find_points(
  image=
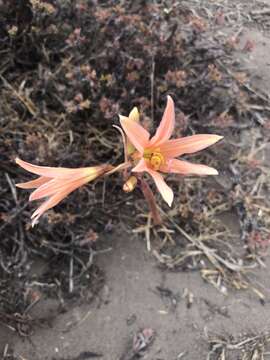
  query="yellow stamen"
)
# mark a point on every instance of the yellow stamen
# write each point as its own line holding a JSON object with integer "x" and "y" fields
{"x": 154, "y": 158}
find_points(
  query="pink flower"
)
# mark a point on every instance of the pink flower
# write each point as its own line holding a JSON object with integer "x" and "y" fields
{"x": 158, "y": 154}
{"x": 56, "y": 183}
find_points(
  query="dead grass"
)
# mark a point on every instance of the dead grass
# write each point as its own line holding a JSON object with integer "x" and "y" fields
{"x": 244, "y": 347}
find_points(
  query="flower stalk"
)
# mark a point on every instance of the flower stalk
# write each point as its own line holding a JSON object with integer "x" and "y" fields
{"x": 151, "y": 201}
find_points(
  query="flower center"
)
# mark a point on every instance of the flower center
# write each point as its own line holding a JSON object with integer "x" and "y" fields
{"x": 154, "y": 158}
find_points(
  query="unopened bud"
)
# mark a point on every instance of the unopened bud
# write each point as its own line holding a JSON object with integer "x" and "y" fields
{"x": 130, "y": 184}
{"x": 133, "y": 116}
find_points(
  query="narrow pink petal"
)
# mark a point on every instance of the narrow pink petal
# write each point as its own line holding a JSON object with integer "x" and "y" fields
{"x": 140, "y": 167}
{"x": 54, "y": 200}
{"x": 166, "y": 126}
{"x": 56, "y": 185}
{"x": 186, "y": 168}
{"x": 34, "y": 183}
{"x": 48, "y": 204}
{"x": 188, "y": 145}
{"x": 59, "y": 184}
{"x": 49, "y": 171}
{"x": 163, "y": 188}
{"x": 136, "y": 134}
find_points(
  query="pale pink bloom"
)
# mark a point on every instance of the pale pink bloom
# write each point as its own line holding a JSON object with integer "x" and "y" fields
{"x": 158, "y": 154}
{"x": 55, "y": 183}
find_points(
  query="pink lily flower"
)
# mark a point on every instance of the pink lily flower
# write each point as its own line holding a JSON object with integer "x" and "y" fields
{"x": 158, "y": 154}
{"x": 56, "y": 183}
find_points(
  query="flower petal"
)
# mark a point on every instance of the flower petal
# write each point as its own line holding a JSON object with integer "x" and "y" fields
{"x": 140, "y": 167}
{"x": 48, "y": 204}
{"x": 188, "y": 145}
{"x": 166, "y": 126}
{"x": 163, "y": 188}
{"x": 186, "y": 168}
{"x": 56, "y": 185}
{"x": 60, "y": 184}
{"x": 34, "y": 183}
{"x": 50, "y": 172}
{"x": 137, "y": 135}
{"x": 55, "y": 199}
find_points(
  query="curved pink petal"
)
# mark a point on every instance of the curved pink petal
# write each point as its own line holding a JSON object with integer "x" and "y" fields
{"x": 59, "y": 184}
{"x": 140, "y": 167}
{"x": 48, "y": 204}
{"x": 34, "y": 183}
{"x": 56, "y": 185}
{"x": 186, "y": 168}
{"x": 165, "y": 191}
{"x": 53, "y": 201}
{"x": 136, "y": 134}
{"x": 50, "y": 172}
{"x": 188, "y": 145}
{"x": 166, "y": 126}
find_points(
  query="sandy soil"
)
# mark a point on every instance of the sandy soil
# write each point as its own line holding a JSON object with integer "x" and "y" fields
{"x": 131, "y": 301}
{"x": 138, "y": 294}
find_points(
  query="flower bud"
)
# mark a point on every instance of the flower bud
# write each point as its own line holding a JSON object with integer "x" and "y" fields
{"x": 133, "y": 116}
{"x": 130, "y": 184}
